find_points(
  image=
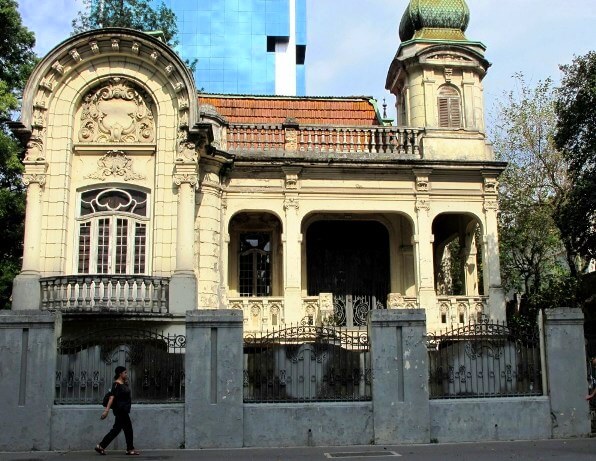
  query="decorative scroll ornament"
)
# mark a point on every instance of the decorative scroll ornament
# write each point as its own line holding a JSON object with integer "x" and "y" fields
{"x": 115, "y": 163}
{"x": 35, "y": 151}
{"x": 187, "y": 152}
{"x": 116, "y": 112}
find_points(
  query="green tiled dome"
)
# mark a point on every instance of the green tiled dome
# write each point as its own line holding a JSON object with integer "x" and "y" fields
{"x": 438, "y": 19}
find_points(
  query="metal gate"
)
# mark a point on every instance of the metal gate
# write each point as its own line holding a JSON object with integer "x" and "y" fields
{"x": 351, "y": 260}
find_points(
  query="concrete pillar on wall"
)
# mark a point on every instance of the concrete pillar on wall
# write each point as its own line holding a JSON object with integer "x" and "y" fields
{"x": 28, "y": 362}
{"x": 214, "y": 376}
{"x": 26, "y": 291}
{"x": 400, "y": 376}
{"x": 209, "y": 239}
{"x": 183, "y": 284}
{"x": 566, "y": 371}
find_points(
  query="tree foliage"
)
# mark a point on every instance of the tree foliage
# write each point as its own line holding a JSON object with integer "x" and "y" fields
{"x": 16, "y": 62}
{"x": 135, "y": 14}
{"x": 534, "y": 260}
{"x": 576, "y": 138}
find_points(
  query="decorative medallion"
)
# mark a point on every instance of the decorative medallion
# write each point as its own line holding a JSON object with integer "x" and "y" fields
{"x": 116, "y": 113}
{"x": 115, "y": 163}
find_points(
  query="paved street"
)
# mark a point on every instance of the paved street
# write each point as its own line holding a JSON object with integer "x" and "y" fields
{"x": 560, "y": 450}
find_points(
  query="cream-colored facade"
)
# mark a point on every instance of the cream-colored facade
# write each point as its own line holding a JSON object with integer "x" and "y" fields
{"x": 143, "y": 202}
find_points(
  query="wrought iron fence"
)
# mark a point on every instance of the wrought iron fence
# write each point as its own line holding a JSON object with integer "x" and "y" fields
{"x": 484, "y": 360}
{"x": 155, "y": 364}
{"x": 307, "y": 363}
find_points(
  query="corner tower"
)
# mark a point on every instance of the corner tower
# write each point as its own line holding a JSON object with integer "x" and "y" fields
{"x": 436, "y": 77}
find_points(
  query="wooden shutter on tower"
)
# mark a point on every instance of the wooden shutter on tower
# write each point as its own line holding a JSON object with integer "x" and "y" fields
{"x": 449, "y": 106}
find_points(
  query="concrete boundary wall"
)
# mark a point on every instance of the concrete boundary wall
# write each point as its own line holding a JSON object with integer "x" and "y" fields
{"x": 214, "y": 414}
{"x": 476, "y": 420}
{"x": 78, "y": 427}
{"x": 308, "y": 424}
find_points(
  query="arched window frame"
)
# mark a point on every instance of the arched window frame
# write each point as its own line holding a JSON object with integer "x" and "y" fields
{"x": 449, "y": 107}
{"x": 113, "y": 231}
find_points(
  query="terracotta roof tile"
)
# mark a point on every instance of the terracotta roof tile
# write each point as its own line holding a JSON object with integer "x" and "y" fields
{"x": 355, "y": 110}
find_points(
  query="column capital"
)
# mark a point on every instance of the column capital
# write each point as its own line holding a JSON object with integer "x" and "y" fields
{"x": 35, "y": 173}
{"x": 186, "y": 173}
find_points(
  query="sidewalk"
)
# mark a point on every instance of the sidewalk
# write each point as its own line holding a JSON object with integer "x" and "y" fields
{"x": 560, "y": 450}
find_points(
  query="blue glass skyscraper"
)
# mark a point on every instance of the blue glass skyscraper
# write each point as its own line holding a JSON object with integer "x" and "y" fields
{"x": 244, "y": 46}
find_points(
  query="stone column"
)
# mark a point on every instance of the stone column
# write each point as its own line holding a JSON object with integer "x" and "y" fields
{"x": 566, "y": 372}
{"x": 470, "y": 265}
{"x": 492, "y": 264}
{"x": 292, "y": 240}
{"x": 400, "y": 376}
{"x": 209, "y": 239}
{"x": 26, "y": 291}
{"x": 214, "y": 379}
{"x": 423, "y": 243}
{"x": 28, "y": 364}
{"x": 183, "y": 284}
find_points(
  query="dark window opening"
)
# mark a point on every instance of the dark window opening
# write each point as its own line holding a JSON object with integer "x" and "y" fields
{"x": 300, "y": 54}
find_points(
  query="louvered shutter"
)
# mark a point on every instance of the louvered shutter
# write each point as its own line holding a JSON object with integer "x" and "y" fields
{"x": 449, "y": 106}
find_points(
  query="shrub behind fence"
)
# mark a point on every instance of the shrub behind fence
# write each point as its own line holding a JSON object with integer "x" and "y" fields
{"x": 484, "y": 360}
{"x": 307, "y": 363}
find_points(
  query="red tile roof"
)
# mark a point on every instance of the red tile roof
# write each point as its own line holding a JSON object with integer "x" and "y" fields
{"x": 356, "y": 110}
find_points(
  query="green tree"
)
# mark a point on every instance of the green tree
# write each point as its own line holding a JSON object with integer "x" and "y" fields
{"x": 576, "y": 138}
{"x": 135, "y": 14}
{"x": 534, "y": 260}
{"x": 16, "y": 62}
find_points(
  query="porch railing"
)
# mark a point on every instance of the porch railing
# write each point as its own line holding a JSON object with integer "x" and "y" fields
{"x": 97, "y": 293}
{"x": 307, "y": 363}
{"x": 484, "y": 359}
{"x": 457, "y": 311}
{"x": 399, "y": 141}
{"x": 259, "y": 313}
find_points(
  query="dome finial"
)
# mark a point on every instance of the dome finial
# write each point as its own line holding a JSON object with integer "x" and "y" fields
{"x": 435, "y": 19}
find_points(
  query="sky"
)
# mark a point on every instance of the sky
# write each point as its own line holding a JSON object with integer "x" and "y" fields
{"x": 352, "y": 42}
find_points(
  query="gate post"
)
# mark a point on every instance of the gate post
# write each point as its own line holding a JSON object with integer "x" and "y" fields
{"x": 214, "y": 409}
{"x": 566, "y": 371}
{"x": 400, "y": 376}
{"x": 28, "y": 370}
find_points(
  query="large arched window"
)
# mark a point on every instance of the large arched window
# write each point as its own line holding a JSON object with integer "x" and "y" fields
{"x": 449, "y": 104}
{"x": 112, "y": 236}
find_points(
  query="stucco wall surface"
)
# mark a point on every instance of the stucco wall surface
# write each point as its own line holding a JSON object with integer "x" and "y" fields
{"x": 474, "y": 420}
{"x": 308, "y": 424}
{"x": 78, "y": 427}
